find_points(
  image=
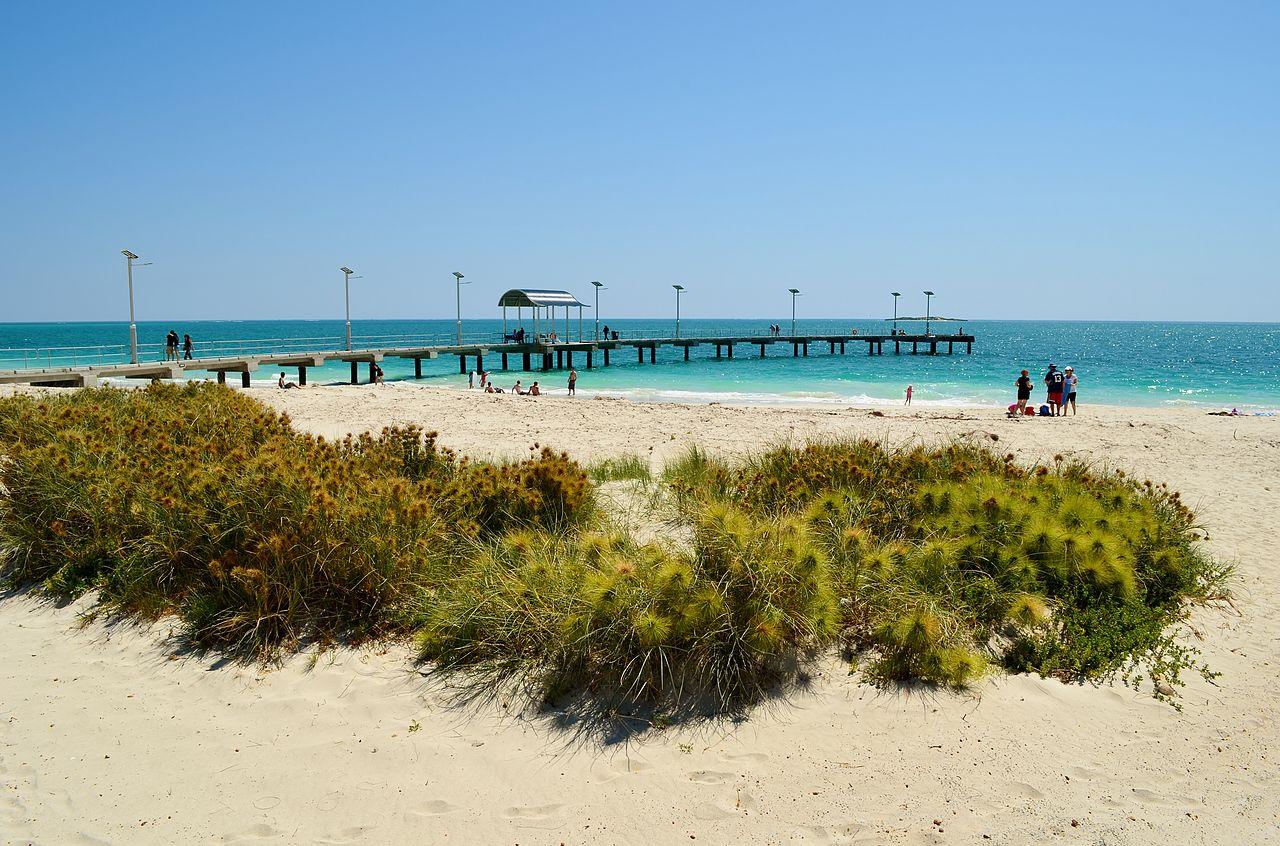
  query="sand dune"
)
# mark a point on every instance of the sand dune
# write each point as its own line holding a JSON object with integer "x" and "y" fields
{"x": 108, "y": 736}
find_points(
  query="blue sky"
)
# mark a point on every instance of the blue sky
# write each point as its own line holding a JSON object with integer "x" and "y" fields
{"x": 1021, "y": 159}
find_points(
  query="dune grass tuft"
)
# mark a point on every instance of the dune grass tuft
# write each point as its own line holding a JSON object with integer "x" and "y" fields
{"x": 623, "y": 468}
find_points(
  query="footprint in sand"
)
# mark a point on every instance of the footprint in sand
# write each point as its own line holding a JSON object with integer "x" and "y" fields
{"x": 1023, "y": 789}
{"x": 253, "y": 834}
{"x": 747, "y": 757}
{"x": 341, "y": 837}
{"x": 535, "y": 816}
{"x": 839, "y": 834}
{"x": 430, "y": 808}
{"x": 617, "y": 769}
{"x": 710, "y": 776}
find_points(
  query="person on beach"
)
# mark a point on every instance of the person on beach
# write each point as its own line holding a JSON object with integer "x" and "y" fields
{"x": 188, "y": 346}
{"x": 490, "y": 389}
{"x": 518, "y": 388}
{"x": 1053, "y": 381}
{"x": 171, "y": 346}
{"x": 1069, "y": 382}
{"x": 534, "y": 390}
{"x": 471, "y": 378}
{"x": 1024, "y": 391}
{"x": 377, "y": 375}
{"x": 910, "y": 390}
{"x": 573, "y": 382}
{"x": 283, "y": 385}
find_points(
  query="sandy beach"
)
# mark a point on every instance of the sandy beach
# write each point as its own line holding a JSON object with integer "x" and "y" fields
{"x": 108, "y": 735}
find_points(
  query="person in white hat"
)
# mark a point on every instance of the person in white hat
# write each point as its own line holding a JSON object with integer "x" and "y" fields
{"x": 1069, "y": 382}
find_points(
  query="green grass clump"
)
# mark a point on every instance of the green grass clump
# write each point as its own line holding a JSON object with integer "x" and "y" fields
{"x": 953, "y": 560}
{"x": 649, "y": 621}
{"x": 624, "y": 468}
{"x": 199, "y": 501}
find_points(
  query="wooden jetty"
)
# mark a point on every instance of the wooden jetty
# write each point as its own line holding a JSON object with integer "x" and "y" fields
{"x": 537, "y": 355}
{"x": 543, "y": 351}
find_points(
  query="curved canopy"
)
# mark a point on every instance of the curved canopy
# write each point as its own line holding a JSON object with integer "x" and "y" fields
{"x": 530, "y": 297}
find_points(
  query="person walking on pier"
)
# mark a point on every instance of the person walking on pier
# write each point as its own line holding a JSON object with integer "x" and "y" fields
{"x": 188, "y": 346}
{"x": 171, "y": 346}
{"x": 1024, "y": 391}
{"x": 573, "y": 382}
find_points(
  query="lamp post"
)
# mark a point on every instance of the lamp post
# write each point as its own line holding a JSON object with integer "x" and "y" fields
{"x": 598, "y": 286}
{"x": 795, "y": 292}
{"x": 346, "y": 289}
{"x": 130, "y": 258}
{"x": 457, "y": 278}
{"x": 928, "y": 298}
{"x": 896, "y": 294}
{"x": 679, "y": 291}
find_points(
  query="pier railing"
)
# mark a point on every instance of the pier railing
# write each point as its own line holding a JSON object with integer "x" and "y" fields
{"x": 30, "y": 358}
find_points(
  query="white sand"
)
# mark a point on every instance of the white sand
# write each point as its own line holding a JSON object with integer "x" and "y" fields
{"x": 106, "y": 739}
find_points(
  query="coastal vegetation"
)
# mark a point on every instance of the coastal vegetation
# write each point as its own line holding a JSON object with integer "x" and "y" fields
{"x": 931, "y": 566}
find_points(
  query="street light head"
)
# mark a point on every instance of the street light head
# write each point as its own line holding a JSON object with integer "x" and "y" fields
{"x": 597, "y": 284}
{"x": 929, "y": 293}
{"x": 128, "y": 254}
{"x": 794, "y": 290}
{"x": 458, "y": 275}
{"x": 346, "y": 270}
{"x": 896, "y": 293}
{"x": 678, "y": 287}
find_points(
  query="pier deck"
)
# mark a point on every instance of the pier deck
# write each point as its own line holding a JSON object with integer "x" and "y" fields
{"x": 541, "y": 355}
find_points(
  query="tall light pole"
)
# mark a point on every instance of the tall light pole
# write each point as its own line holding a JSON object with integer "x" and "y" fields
{"x": 598, "y": 286}
{"x": 133, "y": 327}
{"x": 346, "y": 288}
{"x": 679, "y": 291}
{"x": 457, "y": 278}
{"x": 928, "y": 299}
{"x": 896, "y": 294}
{"x": 795, "y": 292}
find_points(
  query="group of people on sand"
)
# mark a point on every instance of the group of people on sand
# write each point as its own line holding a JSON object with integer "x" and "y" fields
{"x": 535, "y": 390}
{"x": 171, "y": 346}
{"x": 1061, "y": 393}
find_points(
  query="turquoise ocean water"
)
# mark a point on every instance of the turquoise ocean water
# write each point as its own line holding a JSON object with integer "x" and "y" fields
{"x": 1147, "y": 364}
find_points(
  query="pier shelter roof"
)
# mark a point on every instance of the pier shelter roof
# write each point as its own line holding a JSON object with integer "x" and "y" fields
{"x": 542, "y": 298}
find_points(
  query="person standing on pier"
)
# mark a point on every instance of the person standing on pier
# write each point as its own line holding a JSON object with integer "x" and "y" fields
{"x": 573, "y": 382}
{"x": 171, "y": 346}
{"x": 188, "y": 346}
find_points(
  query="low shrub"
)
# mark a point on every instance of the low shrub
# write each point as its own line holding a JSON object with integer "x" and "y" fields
{"x": 199, "y": 501}
{"x": 948, "y": 561}
{"x": 929, "y": 565}
{"x": 726, "y": 618}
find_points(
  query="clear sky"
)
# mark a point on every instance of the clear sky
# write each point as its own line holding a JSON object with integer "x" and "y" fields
{"x": 1077, "y": 160}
